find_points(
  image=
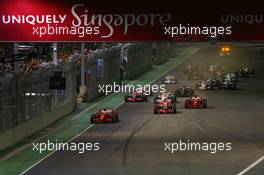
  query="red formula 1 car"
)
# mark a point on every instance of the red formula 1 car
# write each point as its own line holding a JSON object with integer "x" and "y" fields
{"x": 196, "y": 102}
{"x": 165, "y": 107}
{"x": 105, "y": 116}
{"x": 136, "y": 97}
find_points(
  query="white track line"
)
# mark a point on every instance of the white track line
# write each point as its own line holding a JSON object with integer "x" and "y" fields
{"x": 55, "y": 150}
{"x": 251, "y": 166}
{"x": 80, "y": 114}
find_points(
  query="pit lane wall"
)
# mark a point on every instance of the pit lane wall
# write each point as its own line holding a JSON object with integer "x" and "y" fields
{"x": 139, "y": 59}
{"x": 161, "y": 53}
{"x": 27, "y": 105}
{"x": 143, "y": 56}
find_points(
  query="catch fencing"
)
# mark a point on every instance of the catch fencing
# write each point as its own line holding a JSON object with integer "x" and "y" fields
{"x": 26, "y": 96}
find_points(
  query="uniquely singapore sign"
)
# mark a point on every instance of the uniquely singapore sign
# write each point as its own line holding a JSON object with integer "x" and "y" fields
{"x": 46, "y": 20}
{"x": 80, "y": 23}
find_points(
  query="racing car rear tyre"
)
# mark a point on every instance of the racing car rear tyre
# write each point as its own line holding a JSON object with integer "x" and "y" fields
{"x": 173, "y": 99}
{"x": 92, "y": 119}
{"x": 156, "y": 111}
{"x": 155, "y": 99}
{"x": 187, "y": 104}
{"x": 204, "y": 103}
{"x": 115, "y": 119}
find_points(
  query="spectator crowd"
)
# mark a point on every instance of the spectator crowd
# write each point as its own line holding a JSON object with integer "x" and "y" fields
{"x": 40, "y": 55}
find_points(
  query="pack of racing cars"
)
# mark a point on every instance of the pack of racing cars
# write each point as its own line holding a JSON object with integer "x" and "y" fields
{"x": 226, "y": 81}
{"x": 214, "y": 84}
{"x": 165, "y": 102}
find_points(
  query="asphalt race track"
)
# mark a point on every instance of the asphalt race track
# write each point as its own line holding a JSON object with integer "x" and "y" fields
{"x": 135, "y": 145}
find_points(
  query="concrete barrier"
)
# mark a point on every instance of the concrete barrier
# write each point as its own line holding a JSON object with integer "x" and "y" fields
{"x": 161, "y": 53}
{"x": 25, "y": 129}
